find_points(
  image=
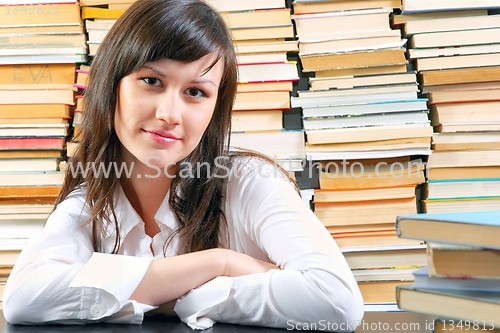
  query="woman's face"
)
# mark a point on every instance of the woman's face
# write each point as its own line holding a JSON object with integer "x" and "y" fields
{"x": 164, "y": 108}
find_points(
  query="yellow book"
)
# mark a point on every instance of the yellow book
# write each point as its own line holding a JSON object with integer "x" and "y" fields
{"x": 102, "y": 13}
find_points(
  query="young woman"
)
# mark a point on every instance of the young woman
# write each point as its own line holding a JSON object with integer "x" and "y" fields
{"x": 181, "y": 219}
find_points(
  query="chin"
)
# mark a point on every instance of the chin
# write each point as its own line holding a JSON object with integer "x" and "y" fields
{"x": 153, "y": 161}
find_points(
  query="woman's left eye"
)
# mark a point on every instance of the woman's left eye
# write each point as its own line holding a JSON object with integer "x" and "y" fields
{"x": 195, "y": 92}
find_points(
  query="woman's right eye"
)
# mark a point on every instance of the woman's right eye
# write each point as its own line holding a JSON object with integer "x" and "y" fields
{"x": 152, "y": 81}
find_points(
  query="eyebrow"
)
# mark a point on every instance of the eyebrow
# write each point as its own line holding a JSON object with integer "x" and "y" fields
{"x": 205, "y": 81}
{"x": 195, "y": 81}
{"x": 154, "y": 70}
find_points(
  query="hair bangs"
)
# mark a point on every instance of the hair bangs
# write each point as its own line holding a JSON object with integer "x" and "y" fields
{"x": 164, "y": 35}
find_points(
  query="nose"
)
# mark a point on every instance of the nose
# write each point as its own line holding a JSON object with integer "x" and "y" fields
{"x": 169, "y": 107}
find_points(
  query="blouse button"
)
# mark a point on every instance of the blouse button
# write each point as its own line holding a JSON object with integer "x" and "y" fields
{"x": 96, "y": 311}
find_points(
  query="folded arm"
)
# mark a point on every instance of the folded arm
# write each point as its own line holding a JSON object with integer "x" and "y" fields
{"x": 315, "y": 285}
{"x": 60, "y": 279}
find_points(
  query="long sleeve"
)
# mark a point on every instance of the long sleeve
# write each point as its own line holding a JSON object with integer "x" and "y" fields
{"x": 268, "y": 220}
{"x": 59, "y": 279}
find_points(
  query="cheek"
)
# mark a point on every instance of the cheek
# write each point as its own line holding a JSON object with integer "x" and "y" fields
{"x": 198, "y": 126}
{"x": 126, "y": 124}
{"x": 120, "y": 118}
{"x": 130, "y": 111}
{"x": 129, "y": 100}
{"x": 199, "y": 120}
{"x": 120, "y": 109}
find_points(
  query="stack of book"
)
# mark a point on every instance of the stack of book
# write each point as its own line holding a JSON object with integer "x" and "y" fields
{"x": 379, "y": 269}
{"x": 264, "y": 37}
{"x": 99, "y": 16}
{"x": 82, "y": 75}
{"x": 461, "y": 282}
{"x": 335, "y": 40}
{"x": 465, "y": 177}
{"x": 262, "y": 98}
{"x": 365, "y": 122}
{"x": 457, "y": 55}
{"x": 39, "y": 47}
{"x": 362, "y": 102}
{"x": 358, "y": 202}
{"x": 366, "y": 130}
{"x": 46, "y": 32}
{"x": 258, "y": 26}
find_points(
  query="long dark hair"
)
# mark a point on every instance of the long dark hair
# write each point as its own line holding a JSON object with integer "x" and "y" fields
{"x": 150, "y": 30}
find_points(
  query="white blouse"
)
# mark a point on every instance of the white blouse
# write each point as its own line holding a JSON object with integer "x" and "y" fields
{"x": 58, "y": 277}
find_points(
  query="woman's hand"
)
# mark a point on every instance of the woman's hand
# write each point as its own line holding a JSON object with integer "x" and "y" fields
{"x": 185, "y": 272}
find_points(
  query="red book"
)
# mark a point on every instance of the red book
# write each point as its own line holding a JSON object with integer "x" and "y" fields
{"x": 32, "y": 143}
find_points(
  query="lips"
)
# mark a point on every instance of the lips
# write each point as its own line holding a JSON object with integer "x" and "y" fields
{"x": 162, "y": 137}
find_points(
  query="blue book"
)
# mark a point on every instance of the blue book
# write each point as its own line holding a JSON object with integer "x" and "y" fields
{"x": 467, "y": 228}
{"x": 422, "y": 280}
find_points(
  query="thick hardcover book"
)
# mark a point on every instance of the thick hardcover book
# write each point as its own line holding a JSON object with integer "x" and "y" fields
{"x": 480, "y": 307}
{"x": 479, "y": 228}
